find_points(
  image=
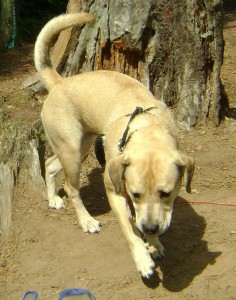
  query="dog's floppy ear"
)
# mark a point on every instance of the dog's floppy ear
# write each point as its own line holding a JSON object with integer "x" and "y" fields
{"x": 116, "y": 168}
{"x": 187, "y": 163}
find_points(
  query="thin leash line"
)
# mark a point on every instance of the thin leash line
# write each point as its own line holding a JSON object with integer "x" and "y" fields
{"x": 203, "y": 202}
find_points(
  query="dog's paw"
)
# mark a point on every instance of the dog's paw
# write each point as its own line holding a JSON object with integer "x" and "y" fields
{"x": 156, "y": 251}
{"x": 56, "y": 203}
{"x": 89, "y": 225}
{"x": 144, "y": 263}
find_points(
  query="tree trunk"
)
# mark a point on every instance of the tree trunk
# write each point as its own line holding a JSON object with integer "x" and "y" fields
{"x": 175, "y": 48}
{"x": 7, "y": 24}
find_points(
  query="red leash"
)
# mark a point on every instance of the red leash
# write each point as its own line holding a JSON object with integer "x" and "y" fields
{"x": 178, "y": 203}
{"x": 203, "y": 202}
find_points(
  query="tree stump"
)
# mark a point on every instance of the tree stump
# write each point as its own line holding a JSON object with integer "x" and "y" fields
{"x": 22, "y": 152}
{"x": 175, "y": 48}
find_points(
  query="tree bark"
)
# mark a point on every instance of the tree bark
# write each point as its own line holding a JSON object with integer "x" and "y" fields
{"x": 175, "y": 48}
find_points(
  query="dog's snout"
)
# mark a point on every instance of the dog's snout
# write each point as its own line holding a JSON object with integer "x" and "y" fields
{"x": 150, "y": 229}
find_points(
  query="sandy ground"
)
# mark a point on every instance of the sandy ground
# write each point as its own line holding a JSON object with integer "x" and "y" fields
{"x": 48, "y": 252}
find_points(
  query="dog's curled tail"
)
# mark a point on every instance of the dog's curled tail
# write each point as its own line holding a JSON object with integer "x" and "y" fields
{"x": 44, "y": 42}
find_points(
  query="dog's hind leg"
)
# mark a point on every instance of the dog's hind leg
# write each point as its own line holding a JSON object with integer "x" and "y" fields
{"x": 70, "y": 144}
{"x": 53, "y": 166}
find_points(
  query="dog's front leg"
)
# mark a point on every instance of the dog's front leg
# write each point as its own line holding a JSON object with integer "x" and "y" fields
{"x": 86, "y": 221}
{"x": 140, "y": 254}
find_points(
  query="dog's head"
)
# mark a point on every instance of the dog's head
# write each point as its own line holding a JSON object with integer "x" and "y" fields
{"x": 152, "y": 179}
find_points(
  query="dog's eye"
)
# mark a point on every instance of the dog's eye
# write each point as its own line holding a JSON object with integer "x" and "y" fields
{"x": 164, "y": 194}
{"x": 136, "y": 195}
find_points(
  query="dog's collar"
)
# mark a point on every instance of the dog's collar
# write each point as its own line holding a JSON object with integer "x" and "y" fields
{"x": 124, "y": 140}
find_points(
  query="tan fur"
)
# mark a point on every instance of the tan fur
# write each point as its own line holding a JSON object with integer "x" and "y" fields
{"x": 150, "y": 167}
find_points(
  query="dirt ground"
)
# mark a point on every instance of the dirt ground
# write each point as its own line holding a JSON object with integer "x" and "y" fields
{"x": 48, "y": 252}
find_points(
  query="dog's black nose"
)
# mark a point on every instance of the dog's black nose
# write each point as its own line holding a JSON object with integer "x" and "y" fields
{"x": 150, "y": 229}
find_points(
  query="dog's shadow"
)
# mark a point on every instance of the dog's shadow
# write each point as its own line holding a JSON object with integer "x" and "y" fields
{"x": 187, "y": 253}
{"x": 94, "y": 194}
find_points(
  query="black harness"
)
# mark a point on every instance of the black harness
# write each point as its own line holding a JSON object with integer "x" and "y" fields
{"x": 99, "y": 143}
{"x": 124, "y": 140}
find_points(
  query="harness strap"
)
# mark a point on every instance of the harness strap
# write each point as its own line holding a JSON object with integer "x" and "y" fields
{"x": 138, "y": 110}
{"x": 122, "y": 143}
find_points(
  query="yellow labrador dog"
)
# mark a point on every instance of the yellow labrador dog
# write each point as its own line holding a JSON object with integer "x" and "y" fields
{"x": 144, "y": 167}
